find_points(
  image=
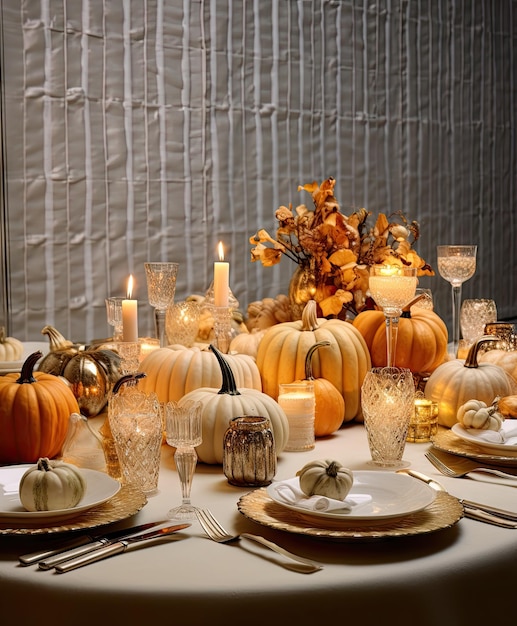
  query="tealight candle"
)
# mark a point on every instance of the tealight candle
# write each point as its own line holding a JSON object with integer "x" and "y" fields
{"x": 298, "y": 403}
{"x": 129, "y": 315}
{"x": 221, "y": 280}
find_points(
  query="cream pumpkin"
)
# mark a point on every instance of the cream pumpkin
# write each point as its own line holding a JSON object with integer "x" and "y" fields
{"x": 220, "y": 406}
{"x": 51, "y": 485}
{"x": 453, "y": 383}
{"x": 507, "y": 359}
{"x": 11, "y": 349}
{"x": 282, "y": 351}
{"x": 174, "y": 371}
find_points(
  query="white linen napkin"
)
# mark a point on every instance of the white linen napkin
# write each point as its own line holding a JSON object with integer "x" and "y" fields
{"x": 289, "y": 492}
{"x": 507, "y": 435}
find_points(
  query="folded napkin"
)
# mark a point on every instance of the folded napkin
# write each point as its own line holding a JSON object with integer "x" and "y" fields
{"x": 507, "y": 435}
{"x": 289, "y": 492}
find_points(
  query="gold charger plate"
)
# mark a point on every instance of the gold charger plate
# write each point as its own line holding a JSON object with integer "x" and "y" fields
{"x": 447, "y": 441}
{"x": 128, "y": 501}
{"x": 443, "y": 513}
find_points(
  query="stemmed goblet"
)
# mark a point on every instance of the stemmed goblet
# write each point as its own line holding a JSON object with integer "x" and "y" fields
{"x": 392, "y": 286}
{"x": 161, "y": 288}
{"x": 183, "y": 430}
{"x": 114, "y": 315}
{"x": 456, "y": 264}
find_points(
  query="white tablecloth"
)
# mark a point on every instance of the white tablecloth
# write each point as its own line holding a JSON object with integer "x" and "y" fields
{"x": 463, "y": 575}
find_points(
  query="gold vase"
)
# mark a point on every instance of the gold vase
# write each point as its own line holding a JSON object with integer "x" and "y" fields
{"x": 306, "y": 284}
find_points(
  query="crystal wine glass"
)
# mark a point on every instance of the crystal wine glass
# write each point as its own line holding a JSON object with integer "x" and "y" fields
{"x": 392, "y": 286}
{"x": 114, "y": 315}
{"x": 183, "y": 430}
{"x": 161, "y": 287}
{"x": 456, "y": 264}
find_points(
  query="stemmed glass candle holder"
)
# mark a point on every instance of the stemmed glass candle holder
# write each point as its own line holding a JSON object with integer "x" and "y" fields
{"x": 183, "y": 430}
{"x": 456, "y": 264}
{"x": 161, "y": 288}
{"x": 114, "y": 315}
{"x": 392, "y": 286}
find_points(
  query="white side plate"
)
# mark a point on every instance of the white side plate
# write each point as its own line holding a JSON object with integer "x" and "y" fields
{"x": 470, "y": 435}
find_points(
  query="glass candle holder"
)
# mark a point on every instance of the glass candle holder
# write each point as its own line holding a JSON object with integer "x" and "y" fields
{"x": 182, "y": 323}
{"x": 298, "y": 402}
{"x": 474, "y": 315}
{"x": 423, "y": 425}
{"x": 387, "y": 400}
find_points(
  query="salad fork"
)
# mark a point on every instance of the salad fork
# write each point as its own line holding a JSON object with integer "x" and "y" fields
{"x": 456, "y": 473}
{"x": 217, "y": 533}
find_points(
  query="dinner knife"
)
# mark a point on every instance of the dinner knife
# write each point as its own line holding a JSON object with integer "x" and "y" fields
{"x": 86, "y": 541}
{"x": 472, "y": 507}
{"x": 117, "y": 547}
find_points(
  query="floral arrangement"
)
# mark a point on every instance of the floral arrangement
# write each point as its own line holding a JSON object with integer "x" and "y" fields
{"x": 334, "y": 251}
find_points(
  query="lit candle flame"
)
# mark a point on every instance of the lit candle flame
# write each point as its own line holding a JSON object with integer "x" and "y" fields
{"x": 130, "y": 287}
{"x": 221, "y": 251}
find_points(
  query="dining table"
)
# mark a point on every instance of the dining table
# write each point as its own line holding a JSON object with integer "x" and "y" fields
{"x": 463, "y": 572}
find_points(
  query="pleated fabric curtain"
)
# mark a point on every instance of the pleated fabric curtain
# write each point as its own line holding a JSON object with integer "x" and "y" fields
{"x": 136, "y": 131}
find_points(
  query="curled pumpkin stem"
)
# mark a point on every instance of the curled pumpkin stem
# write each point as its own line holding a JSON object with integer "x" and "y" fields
{"x": 128, "y": 379}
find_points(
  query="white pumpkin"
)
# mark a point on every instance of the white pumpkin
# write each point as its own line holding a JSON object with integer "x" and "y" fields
{"x": 51, "y": 485}
{"x": 326, "y": 478}
{"x": 220, "y": 406}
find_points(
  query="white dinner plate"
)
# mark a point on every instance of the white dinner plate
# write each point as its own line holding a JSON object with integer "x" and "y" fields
{"x": 8, "y": 367}
{"x": 393, "y": 495}
{"x": 472, "y": 436}
{"x": 99, "y": 488}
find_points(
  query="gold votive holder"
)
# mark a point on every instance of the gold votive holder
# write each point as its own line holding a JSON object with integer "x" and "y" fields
{"x": 424, "y": 421}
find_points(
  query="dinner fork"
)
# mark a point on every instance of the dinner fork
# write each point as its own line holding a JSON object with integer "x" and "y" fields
{"x": 456, "y": 473}
{"x": 217, "y": 533}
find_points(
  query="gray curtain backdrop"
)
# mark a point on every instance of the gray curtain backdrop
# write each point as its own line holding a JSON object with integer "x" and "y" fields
{"x": 150, "y": 130}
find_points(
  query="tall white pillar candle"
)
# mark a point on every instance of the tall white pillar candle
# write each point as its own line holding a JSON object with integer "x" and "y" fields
{"x": 221, "y": 280}
{"x": 130, "y": 315}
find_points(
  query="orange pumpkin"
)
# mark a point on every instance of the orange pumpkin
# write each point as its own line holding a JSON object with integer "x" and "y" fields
{"x": 329, "y": 411}
{"x": 421, "y": 344}
{"x": 35, "y": 409}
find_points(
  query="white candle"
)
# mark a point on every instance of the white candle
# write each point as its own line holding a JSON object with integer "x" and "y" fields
{"x": 129, "y": 315}
{"x": 221, "y": 280}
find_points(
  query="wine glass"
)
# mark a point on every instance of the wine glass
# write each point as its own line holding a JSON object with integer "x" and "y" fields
{"x": 161, "y": 287}
{"x": 114, "y": 315}
{"x": 392, "y": 286}
{"x": 456, "y": 264}
{"x": 183, "y": 431}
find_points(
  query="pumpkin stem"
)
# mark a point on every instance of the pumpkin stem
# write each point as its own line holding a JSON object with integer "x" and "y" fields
{"x": 332, "y": 469}
{"x": 308, "y": 358}
{"x": 26, "y": 374}
{"x": 134, "y": 378}
{"x": 44, "y": 465}
{"x": 472, "y": 356}
{"x": 310, "y": 316}
{"x": 56, "y": 339}
{"x": 229, "y": 386}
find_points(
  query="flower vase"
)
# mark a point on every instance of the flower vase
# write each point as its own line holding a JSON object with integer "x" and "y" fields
{"x": 306, "y": 285}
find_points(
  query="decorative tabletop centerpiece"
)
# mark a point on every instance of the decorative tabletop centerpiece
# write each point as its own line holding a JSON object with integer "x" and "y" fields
{"x": 334, "y": 252}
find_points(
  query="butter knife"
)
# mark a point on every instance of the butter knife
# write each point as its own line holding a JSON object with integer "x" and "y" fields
{"x": 117, "y": 547}
{"x": 86, "y": 542}
{"x": 472, "y": 509}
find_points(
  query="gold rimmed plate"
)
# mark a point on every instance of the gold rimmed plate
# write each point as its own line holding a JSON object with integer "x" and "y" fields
{"x": 447, "y": 441}
{"x": 442, "y": 513}
{"x": 125, "y": 503}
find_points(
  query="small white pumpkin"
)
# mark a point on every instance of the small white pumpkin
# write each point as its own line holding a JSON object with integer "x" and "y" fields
{"x": 51, "y": 485}
{"x": 326, "y": 478}
{"x": 476, "y": 414}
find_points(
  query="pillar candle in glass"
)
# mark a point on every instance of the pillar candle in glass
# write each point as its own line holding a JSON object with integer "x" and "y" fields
{"x": 298, "y": 402}
{"x": 129, "y": 315}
